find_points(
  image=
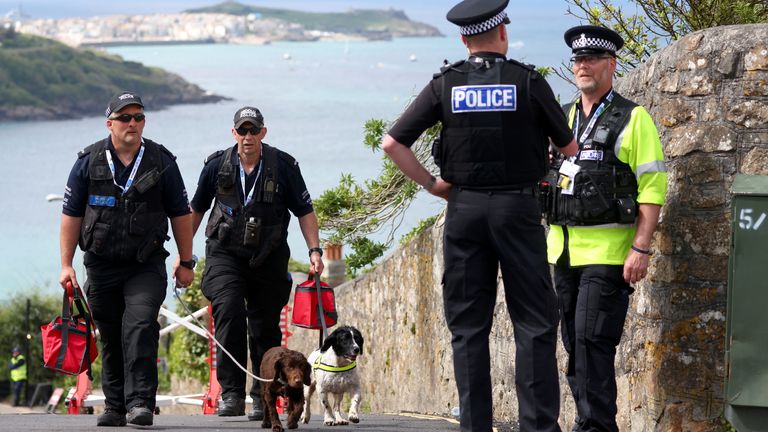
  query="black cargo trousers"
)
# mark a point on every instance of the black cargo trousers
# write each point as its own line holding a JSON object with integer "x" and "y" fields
{"x": 593, "y": 304}
{"x": 246, "y": 307}
{"x": 125, "y": 300}
{"x": 485, "y": 230}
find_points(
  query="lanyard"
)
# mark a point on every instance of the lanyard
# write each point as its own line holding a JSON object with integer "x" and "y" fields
{"x": 133, "y": 171}
{"x": 603, "y": 105}
{"x": 247, "y": 197}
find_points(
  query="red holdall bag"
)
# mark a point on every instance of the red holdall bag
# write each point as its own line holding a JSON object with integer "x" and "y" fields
{"x": 305, "y": 305}
{"x": 69, "y": 346}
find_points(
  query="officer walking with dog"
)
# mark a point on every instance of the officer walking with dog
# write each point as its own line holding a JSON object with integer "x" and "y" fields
{"x": 119, "y": 196}
{"x": 246, "y": 277}
{"x": 604, "y": 207}
{"x": 498, "y": 116}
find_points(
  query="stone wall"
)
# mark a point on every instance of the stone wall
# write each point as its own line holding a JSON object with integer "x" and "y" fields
{"x": 707, "y": 93}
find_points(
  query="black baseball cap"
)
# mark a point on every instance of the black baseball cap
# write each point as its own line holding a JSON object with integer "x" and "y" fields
{"x": 122, "y": 100}
{"x": 249, "y": 114}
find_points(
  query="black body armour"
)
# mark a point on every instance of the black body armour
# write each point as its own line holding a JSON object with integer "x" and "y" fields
{"x": 484, "y": 145}
{"x": 605, "y": 188}
{"x": 253, "y": 231}
{"x": 125, "y": 226}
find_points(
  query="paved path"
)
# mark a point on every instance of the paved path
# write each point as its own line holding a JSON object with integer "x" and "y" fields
{"x": 24, "y": 419}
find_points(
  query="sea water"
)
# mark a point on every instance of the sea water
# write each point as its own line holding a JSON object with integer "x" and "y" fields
{"x": 315, "y": 98}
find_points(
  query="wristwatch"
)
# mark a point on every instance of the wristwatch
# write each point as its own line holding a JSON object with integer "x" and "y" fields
{"x": 190, "y": 264}
{"x": 315, "y": 249}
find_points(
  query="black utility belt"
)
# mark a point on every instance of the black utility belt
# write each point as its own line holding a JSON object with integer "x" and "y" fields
{"x": 529, "y": 190}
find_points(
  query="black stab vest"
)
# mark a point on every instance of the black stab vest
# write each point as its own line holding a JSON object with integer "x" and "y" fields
{"x": 125, "y": 226}
{"x": 605, "y": 191}
{"x": 253, "y": 231}
{"x": 491, "y": 149}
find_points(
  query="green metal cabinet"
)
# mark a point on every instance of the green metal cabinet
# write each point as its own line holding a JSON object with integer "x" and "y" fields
{"x": 746, "y": 404}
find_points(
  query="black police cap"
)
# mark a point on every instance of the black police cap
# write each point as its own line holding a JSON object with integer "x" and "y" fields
{"x": 593, "y": 40}
{"x": 478, "y": 16}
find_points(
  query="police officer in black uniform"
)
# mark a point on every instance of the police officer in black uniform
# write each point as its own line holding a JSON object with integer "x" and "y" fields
{"x": 246, "y": 274}
{"x": 497, "y": 115}
{"x": 119, "y": 196}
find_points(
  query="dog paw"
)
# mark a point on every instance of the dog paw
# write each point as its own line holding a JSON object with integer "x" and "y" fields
{"x": 266, "y": 424}
{"x": 328, "y": 422}
{"x": 277, "y": 428}
{"x": 354, "y": 419}
{"x": 304, "y": 420}
{"x": 340, "y": 423}
{"x": 292, "y": 425}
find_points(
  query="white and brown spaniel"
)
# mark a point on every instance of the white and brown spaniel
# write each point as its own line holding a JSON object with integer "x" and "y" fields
{"x": 334, "y": 372}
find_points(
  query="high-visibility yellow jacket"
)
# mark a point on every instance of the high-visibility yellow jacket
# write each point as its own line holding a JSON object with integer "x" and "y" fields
{"x": 18, "y": 372}
{"x": 609, "y": 244}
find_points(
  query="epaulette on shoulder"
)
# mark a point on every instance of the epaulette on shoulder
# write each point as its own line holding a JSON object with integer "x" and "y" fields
{"x": 166, "y": 151}
{"x": 86, "y": 151}
{"x": 290, "y": 160}
{"x": 522, "y": 65}
{"x": 532, "y": 68}
{"x": 449, "y": 66}
{"x": 213, "y": 156}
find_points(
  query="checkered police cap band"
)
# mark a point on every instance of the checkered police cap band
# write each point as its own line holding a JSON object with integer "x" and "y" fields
{"x": 592, "y": 42}
{"x": 482, "y": 27}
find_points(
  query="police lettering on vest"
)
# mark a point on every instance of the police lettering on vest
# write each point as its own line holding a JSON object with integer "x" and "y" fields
{"x": 475, "y": 98}
{"x": 486, "y": 141}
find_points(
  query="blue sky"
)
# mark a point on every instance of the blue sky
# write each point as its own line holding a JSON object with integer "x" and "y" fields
{"x": 535, "y": 33}
{"x": 429, "y": 11}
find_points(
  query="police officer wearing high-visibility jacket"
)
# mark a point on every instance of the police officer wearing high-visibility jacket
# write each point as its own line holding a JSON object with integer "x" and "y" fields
{"x": 18, "y": 368}
{"x": 497, "y": 116}
{"x": 120, "y": 194}
{"x": 603, "y": 210}
{"x": 254, "y": 186}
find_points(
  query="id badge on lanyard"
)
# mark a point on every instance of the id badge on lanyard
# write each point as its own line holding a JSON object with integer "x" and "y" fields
{"x": 569, "y": 168}
{"x": 135, "y": 169}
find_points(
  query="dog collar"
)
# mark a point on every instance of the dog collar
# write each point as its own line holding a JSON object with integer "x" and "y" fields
{"x": 328, "y": 368}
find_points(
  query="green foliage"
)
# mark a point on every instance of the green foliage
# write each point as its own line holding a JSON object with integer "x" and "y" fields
{"x": 655, "y": 23}
{"x": 353, "y": 21}
{"x": 352, "y": 210}
{"x": 297, "y": 266}
{"x": 364, "y": 253}
{"x": 188, "y": 353}
{"x": 13, "y": 332}
{"x": 423, "y": 225}
{"x": 44, "y": 74}
{"x": 545, "y": 71}
{"x": 726, "y": 425}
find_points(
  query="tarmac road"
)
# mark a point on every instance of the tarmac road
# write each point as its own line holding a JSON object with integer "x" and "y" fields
{"x": 35, "y": 421}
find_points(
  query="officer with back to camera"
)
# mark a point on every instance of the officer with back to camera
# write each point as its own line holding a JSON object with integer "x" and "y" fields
{"x": 497, "y": 116}
{"x": 604, "y": 207}
{"x": 120, "y": 194}
{"x": 246, "y": 274}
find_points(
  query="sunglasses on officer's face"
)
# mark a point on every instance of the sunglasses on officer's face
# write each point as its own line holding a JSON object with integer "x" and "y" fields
{"x": 125, "y": 118}
{"x": 243, "y": 131}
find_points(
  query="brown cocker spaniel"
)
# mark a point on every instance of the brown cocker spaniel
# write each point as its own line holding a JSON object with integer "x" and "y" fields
{"x": 289, "y": 372}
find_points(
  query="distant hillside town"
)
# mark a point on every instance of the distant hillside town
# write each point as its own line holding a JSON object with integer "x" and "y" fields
{"x": 220, "y": 24}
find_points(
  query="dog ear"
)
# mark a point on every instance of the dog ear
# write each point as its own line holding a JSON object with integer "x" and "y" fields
{"x": 278, "y": 369}
{"x": 358, "y": 338}
{"x": 328, "y": 342}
